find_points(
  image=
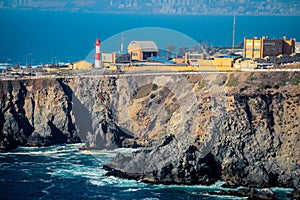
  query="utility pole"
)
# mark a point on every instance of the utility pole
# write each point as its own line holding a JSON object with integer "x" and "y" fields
{"x": 27, "y": 58}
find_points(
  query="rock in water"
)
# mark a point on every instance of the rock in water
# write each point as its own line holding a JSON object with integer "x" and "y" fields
{"x": 7, "y": 142}
{"x": 252, "y": 194}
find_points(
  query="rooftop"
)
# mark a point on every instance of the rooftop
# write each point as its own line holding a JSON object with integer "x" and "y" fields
{"x": 145, "y": 46}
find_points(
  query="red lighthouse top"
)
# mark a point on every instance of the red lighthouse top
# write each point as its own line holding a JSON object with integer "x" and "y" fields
{"x": 97, "y": 42}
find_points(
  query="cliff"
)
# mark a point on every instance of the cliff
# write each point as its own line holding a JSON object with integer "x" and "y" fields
{"x": 43, "y": 112}
{"x": 35, "y": 113}
{"x": 196, "y": 129}
{"x": 242, "y": 128}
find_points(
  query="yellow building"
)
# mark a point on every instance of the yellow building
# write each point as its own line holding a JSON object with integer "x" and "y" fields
{"x": 121, "y": 58}
{"x": 216, "y": 62}
{"x": 262, "y": 47}
{"x": 82, "y": 65}
{"x": 179, "y": 60}
{"x": 193, "y": 58}
{"x": 107, "y": 59}
{"x": 141, "y": 50}
{"x": 226, "y": 62}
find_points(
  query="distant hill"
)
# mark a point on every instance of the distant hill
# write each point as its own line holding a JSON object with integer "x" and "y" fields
{"x": 185, "y": 7}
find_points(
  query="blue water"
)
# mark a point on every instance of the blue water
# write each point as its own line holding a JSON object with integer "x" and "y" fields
{"x": 64, "y": 172}
{"x": 61, "y": 37}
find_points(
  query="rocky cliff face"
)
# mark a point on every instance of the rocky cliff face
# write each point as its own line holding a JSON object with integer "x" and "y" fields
{"x": 35, "y": 113}
{"x": 43, "y": 112}
{"x": 195, "y": 129}
{"x": 242, "y": 128}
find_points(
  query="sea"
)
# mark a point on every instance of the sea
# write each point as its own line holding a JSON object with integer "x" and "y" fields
{"x": 41, "y": 37}
{"x": 64, "y": 172}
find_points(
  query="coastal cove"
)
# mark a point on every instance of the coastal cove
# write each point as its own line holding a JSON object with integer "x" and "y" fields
{"x": 64, "y": 172}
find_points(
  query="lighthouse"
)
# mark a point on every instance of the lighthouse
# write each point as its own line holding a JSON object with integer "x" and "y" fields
{"x": 98, "y": 54}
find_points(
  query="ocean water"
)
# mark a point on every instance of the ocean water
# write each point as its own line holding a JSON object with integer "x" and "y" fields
{"x": 64, "y": 172}
{"x": 53, "y": 37}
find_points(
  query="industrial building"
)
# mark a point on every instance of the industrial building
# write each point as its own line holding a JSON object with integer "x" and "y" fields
{"x": 145, "y": 55}
{"x": 142, "y": 53}
{"x": 121, "y": 57}
{"x": 142, "y": 50}
{"x": 263, "y": 47}
{"x": 81, "y": 65}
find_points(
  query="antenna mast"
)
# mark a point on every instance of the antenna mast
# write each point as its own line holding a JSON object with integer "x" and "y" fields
{"x": 122, "y": 43}
{"x": 233, "y": 32}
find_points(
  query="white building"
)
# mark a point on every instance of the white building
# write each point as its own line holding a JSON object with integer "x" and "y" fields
{"x": 297, "y": 48}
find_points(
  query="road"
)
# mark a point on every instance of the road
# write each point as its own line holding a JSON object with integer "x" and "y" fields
{"x": 104, "y": 74}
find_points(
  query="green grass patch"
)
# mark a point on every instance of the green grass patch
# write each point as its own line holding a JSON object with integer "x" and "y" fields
{"x": 202, "y": 85}
{"x": 145, "y": 90}
{"x": 251, "y": 78}
{"x": 288, "y": 78}
{"x": 295, "y": 80}
{"x": 233, "y": 81}
{"x": 220, "y": 80}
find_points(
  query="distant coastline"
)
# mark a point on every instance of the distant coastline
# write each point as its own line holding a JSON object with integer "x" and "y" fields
{"x": 183, "y": 7}
{"x": 252, "y": 14}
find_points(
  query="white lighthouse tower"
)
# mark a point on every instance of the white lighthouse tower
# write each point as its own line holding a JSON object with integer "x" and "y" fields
{"x": 98, "y": 53}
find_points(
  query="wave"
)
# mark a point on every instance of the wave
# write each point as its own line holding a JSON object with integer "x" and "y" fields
{"x": 224, "y": 197}
{"x": 281, "y": 193}
{"x": 132, "y": 190}
{"x": 57, "y": 149}
{"x": 47, "y": 188}
{"x": 278, "y": 189}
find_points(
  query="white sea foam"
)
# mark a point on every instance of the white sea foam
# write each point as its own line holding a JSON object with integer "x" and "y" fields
{"x": 132, "y": 190}
{"x": 28, "y": 181}
{"x": 47, "y": 188}
{"x": 97, "y": 152}
{"x": 26, "y": 171}
{"x": 217, "y": 185}
{"x": 96, "y": 182}
{"x": 278, "y": 189}
{"x": 225, "y": 197}
{"x": 46, "y": 181}
{"x": 66, "y": 152}
{"x": 87, "y": 174}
